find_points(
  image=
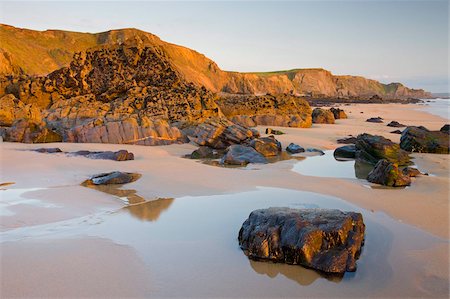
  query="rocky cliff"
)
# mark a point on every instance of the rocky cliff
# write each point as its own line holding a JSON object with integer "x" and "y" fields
{"x": 32, "y": 52}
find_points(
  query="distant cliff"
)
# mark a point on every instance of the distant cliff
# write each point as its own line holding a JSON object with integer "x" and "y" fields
{"x": 24, "y": 51}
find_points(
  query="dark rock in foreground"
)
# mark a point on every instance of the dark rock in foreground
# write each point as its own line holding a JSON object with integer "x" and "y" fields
{"x": 50, "y": 150}
{"x": 338, "y": 113}
{"x": 387, "y": 174}
{"x": 421, "y": 140}
{"x": 266, "y": 146}
{"x": 372, "y": 148}
{"x": 325, "y": 240}
{"x": 121, "y": 155}
{"x": 395, "y": 124}
{"x": 242, "y": 155}
{"x": 375, "y": 120}
{"x": 294, "y": 148}
{"x": 115, "y": 177}
{"x": 345, "y": 152}
{"x": 322, "y": 116}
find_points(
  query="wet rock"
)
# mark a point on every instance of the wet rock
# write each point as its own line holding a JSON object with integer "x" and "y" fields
{"x": 396, "y": 132}
{"x": 325, "y": 240}
{"x": 395, "y": 124}
{"x": 322, "y": 116}
{"x": 375, "y": 120}
{"x": 115, "y": 177}
{"x": 421, "y": 140}
{"x": 345, "y": 152}
{"x": 338, "y": 113}
{"x": 270, "y": 131}
{"x": 242, "y": 155}
{"x": 121, "y": 155}
{"x": 372, "y": 148}
{"x": 294, "y": 148}
{"x": 266, "y": 146}
{"x": 387, "y": 173}
{"x": 347, "y": 140}
{"x": 49, "y": 150}
{"x": 411, "y": 171}
{"x": 445, "y": 129}
{"x": 315, "y": 151}
{"x": 205, "y": 152}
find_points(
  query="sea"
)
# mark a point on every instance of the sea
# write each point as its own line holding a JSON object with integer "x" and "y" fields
{"x": 439, "y": 106}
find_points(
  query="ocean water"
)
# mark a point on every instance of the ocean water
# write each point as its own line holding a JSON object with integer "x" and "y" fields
{"x": 440, "y": 107}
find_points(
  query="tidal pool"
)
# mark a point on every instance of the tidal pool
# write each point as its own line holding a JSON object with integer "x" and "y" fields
{"x": 189, "y": 246}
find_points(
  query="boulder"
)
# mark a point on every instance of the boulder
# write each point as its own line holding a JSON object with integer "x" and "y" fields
{"x": 395, "y": 124}
{"x": 338, "y": 113}
{"x": 49, "y": 150}
{"x": 421, "y": 140}
{"x": 375, "y": 120}
{"x": 270, "y": 131}
{"x": 266, "y": 146}
{"x": 322, "y": 116}
{"x": 121, "y": 155}
{"x": 242, "y": 155}
{"x": 345, "y": 152}
{"x": 294, "y": 148}
{"x": 115, "y": 177}
{"x": 322, "y": 239}
{"x": 445, "y": 129}
{"x": 387, "y": 173}
{"x": 205, "y": 152}
{"x": 372, "y": 148}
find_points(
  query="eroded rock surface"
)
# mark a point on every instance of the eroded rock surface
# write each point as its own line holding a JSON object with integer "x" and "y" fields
{"x": 266, "y": 146}
{"x": 112, "y": 178}
{"x": 422, "y": 140}
{"x": 325, "y": 240}
{"x": 242, "y": 155}
{"x": 372, "y": 148}
{"x": 387, "y": 173}
{"x": 322, "y": 116}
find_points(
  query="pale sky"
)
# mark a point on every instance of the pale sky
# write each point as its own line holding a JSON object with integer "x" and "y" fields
{"x": 391, "y": 41}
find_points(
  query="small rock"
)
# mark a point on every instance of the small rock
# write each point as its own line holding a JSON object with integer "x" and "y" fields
{"x": 270, "y": 131}
{"x": 294, "y": 148}
{"x": 387, "y": 174}
{"x": 205, "y": 152}
{"x": 411, "y": 171}
{"x": 242, "y": 155}
{"x": 347, "y": 140}
{"x": 266, "y": 146}
{"x": 396, "y": 132}
{"x": 395, "y": 124}
{"x": 322, "y": 116}
{"x": 121, "y": 155}
{"x": 315, "y": 150}
{"x": 322, "y": 239}
{"x": 375, "y": 120}
{"x": 49, "y": 150}
{"x": 115, "y": 177}
{"x": 338, "y": 113}
{"x": 345, "y": 152}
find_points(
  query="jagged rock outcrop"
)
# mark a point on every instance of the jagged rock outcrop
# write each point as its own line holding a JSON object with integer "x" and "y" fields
{"x": 325, "y": 240}
{"x": 372, "y": 148}
{"x": 422, "y": 140}
{"x": 269, "y": 110}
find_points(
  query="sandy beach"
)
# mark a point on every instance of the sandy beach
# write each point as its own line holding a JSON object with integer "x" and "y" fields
{"x": 46, "y": 216}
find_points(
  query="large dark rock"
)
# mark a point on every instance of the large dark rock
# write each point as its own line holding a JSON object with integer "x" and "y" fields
{"x": 266, "y": 146}
{"x": 338, "y": 113}
{"x": 375, "y": 120}
{"x": 294, "y": 148}
{"x": 395, "y": 124}
{"x": 325, "y": 240}
{"x": 445, "y": 129}
{"x": 115, "y": 177}
{"x": 242, "y": 155}
{"x": 345, "y": 152}
{"x": 421, "y": 140}
{"x": 372, "y": 148}
{"x": 121, "y": 155}
{"x": 387, "y": 174}
{"x": 322, "y": 116}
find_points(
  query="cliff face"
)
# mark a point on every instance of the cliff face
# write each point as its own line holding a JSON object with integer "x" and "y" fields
{"x": 39, "y": 53}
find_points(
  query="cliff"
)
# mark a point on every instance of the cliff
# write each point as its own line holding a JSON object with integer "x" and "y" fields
{"x": 24, "y": 51}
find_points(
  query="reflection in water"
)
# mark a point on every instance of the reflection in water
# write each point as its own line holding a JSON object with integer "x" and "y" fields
{"x": 281, "y": 157}
{"x": 150, "y": 210}
{"x": 299, "y": 274}
{"x": 362, "y": 169}
{"x": 128, "y": 195}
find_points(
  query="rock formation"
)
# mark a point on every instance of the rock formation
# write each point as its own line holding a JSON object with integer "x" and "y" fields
{"x": 387, "y": 174}
{"x": 422, "y": 140}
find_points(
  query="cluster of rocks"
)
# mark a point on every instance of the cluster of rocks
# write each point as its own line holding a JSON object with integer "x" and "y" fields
{"x": 323, "y": 116}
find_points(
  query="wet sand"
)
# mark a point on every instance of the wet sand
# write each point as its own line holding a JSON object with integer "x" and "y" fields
{"x": 61, "y": 210}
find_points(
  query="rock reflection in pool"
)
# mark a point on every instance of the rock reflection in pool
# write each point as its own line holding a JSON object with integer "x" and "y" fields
{"x": 283, "y": 156}
{"x": 328, "y": 166}
{"x": 127, "y": 195}
{"x": 150, "y": 210}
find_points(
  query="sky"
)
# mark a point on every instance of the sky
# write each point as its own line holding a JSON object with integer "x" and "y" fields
{"x": 390, "y": 41}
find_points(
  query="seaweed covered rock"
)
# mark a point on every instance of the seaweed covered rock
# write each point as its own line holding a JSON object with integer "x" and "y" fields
{"x": 422, "y": 140}
{"x": 372, "y": 148}
{"x": 322, "y": 116}
{"x": 387, "y": 174}
{"x": 242, "y": 155}
{"x": 322, "y": 239}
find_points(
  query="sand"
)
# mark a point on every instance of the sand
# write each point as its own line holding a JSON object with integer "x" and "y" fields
{"x": 50, "y": 191}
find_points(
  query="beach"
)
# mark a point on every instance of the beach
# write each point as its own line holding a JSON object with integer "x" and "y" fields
{"x": 60, "y": 238}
